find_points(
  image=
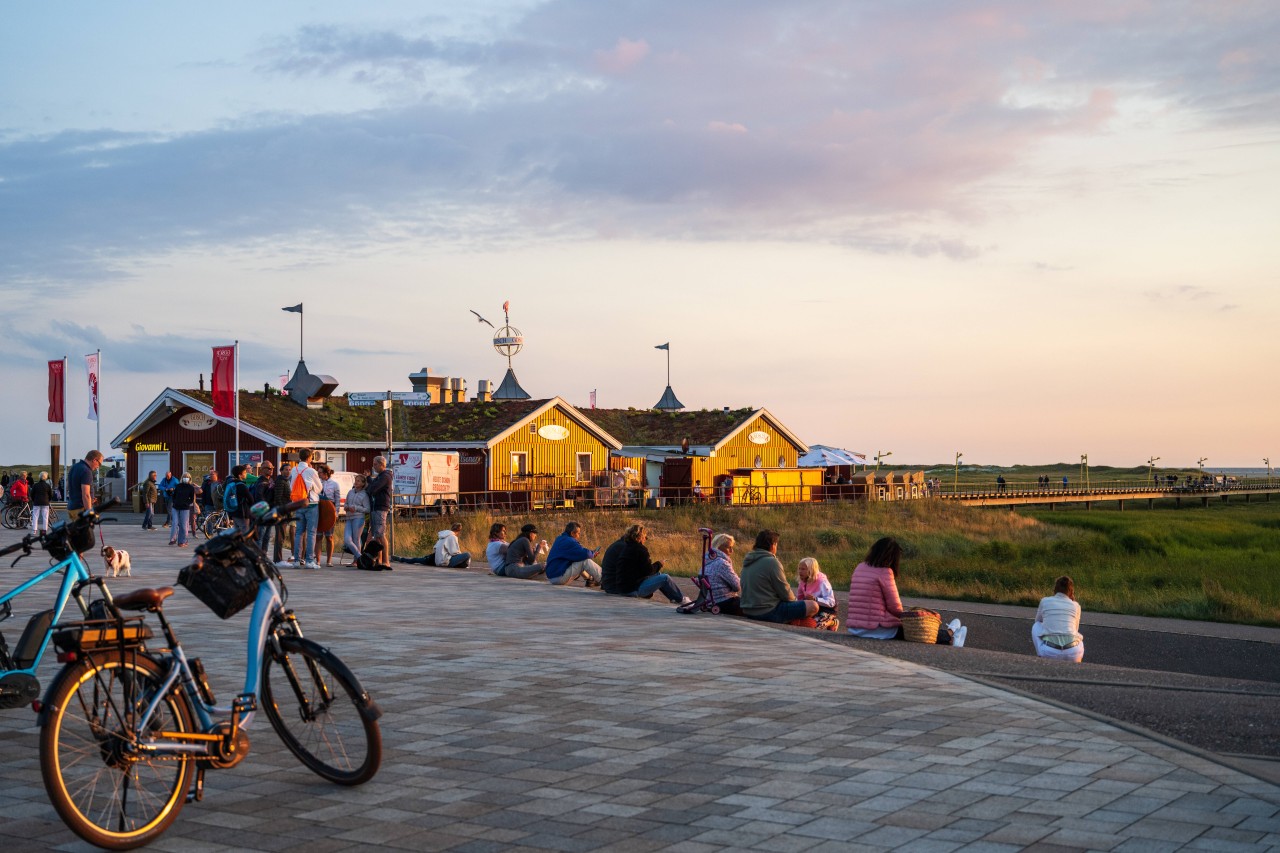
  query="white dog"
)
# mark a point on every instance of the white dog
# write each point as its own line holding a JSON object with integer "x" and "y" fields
{"x": 117, "y": 561}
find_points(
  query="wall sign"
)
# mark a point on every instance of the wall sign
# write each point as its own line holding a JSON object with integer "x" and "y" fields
{"x": 758, "y": 437}
{"x": 554, "y": 432}
{"x": 470, "y": 460}
{"x": 197, "y": 421}
{"x": 139, "y": 447}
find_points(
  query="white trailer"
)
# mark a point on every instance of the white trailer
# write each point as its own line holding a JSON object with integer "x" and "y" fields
{"x": 424, "y": 480}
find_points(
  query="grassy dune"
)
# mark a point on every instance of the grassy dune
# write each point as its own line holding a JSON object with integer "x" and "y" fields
{"x": 1216, "y": 564}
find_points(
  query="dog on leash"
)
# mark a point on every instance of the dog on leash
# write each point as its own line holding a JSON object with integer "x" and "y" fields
{"x": 117, "y": 561}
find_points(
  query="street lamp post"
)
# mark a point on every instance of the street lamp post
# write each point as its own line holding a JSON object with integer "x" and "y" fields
{"x": 1201, "y": 461}
{"x": 1151, "y": 468}
{"x": 1267, "y": 461}
{"x": 1084, "y": 470}
{"x": 955, "y": 486}
{"x": 882, "y": 454}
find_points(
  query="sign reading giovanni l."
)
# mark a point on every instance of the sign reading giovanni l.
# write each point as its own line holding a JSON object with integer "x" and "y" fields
{"x": 375, "y": 398}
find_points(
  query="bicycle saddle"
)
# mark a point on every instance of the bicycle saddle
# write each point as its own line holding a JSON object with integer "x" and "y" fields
{"x": 143, "y": 599}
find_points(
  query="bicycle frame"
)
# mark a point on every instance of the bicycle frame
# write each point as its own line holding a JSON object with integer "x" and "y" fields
{"x": 74, "y": 580}
{"x": 268, "y": 612}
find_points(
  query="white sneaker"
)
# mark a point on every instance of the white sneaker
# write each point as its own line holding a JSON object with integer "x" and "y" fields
{"x": 311, "y": 564}
{"x": 954, "y": 625}
{"x": 957, "y": 639}
{"x": 685, "y": 602}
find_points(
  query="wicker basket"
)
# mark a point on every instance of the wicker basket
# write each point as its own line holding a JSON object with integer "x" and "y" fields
{"x": 921, "y": 626}
{"x": 225, "y": 586}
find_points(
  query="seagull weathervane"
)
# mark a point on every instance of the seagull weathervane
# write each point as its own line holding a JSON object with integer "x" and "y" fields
{"x": 508, "y": 341}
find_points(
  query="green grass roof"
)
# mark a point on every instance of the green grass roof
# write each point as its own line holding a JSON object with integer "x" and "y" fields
{"x": 651, "y": 427}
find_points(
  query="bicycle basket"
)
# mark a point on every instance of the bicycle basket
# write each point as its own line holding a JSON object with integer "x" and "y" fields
{"x": 67, "y": 537}
{"x": 223, "y": 577}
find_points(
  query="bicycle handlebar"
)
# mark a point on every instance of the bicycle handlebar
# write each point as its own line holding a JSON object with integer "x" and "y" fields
{"x": 90, "y": 517}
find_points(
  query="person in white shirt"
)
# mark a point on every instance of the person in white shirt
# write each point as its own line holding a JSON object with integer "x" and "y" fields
{"x": 496, "y": 551}
{"x": 448, "y": 552}
{"x": 308, "y": 519}
{"x": 1056, "y": 631}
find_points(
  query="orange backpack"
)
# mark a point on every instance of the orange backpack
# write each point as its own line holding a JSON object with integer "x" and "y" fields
{"x": 298, "y": 489}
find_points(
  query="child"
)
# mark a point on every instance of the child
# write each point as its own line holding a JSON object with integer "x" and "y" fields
{"x": 814, "y": 585}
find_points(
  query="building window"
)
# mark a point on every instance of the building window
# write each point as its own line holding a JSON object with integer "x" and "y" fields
{"x": 533, "y": 429}
{"x": 519, "y": 464}
{"x": 584, "y": 467}
{"x": 782, "y": 462}
{"x": 759, "y": 463}
{"x": 336, "y": 459}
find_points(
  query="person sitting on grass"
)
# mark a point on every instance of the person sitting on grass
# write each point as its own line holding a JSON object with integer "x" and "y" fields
{"x": 448, "y": 553}
{"x": 639, "y": 576}
{"x": 523, "y": 555}
{"x": 495, "y": 553}
{"x": 766, "y": 595}
{"x": 1056, "y": 631}
{"x": 875, "y": 610}
{"x": 569, "y": 559}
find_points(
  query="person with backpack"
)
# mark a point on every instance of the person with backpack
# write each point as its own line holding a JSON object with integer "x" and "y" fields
{"x": 236, "y": 499}
{"x": 305, "y": 484}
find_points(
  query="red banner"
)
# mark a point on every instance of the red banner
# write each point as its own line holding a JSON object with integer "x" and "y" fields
{"x": 224, "y": 382}
{"x": 57, "y": 385}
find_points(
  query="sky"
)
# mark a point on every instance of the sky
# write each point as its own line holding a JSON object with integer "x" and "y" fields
{"x": 1018, "y": 231}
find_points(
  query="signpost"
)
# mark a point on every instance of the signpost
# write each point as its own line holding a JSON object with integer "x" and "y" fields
{"x": 376, "y": 398}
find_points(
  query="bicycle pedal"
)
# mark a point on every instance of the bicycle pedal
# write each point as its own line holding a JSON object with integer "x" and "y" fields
{"x": 244, "y": 702}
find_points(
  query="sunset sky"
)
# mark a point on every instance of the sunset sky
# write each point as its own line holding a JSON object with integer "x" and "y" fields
{"x": 1023, "y": 231}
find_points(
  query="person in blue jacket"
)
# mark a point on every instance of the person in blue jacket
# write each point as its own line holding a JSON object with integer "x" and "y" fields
{"x": 569, "y": 559}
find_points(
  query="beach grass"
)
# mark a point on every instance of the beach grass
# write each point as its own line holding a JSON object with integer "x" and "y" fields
{"x": 1215, "y": 563}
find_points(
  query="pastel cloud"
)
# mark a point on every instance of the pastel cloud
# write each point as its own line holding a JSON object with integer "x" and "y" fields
{"x": 624, "y": 55}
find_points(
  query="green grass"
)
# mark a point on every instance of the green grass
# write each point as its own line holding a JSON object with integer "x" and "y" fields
{"x": 1216, "y": 563}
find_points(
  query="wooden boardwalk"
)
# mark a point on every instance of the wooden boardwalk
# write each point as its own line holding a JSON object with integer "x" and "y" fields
{"x": 1120, "y": 493}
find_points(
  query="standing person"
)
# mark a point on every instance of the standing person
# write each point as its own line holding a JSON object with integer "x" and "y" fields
{"x": 448, "y": 551}
{"x": 330, "y": 496}
{"x": 167, "y": 486}
{"x": 280, "y": 497}
{"x": 379, "y": 491}
{"x": 261, "y": 490}
{"x": 236, "y": 499}
{"x": 80, "y": 484}
{"x": 184, "y": 497}
{"x": 41, "y": 496}
{"x": 1056, "y": 631}
{"x": 211, "y": 492}
{"x": 522, "y": 555}
{"x": 306, "y": 481}
{"x": 570, "y": 559}
{"x": 150, "y": 494}
{"x": 495, "y": 553}
{"x": 357, "y": 509}
{"x": 638, "y": 575}
{"x": 766, "y": 595}
{"x": 19, "y": 489}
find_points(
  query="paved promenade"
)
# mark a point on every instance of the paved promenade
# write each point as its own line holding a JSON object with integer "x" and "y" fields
{"x": 525, "y": 717}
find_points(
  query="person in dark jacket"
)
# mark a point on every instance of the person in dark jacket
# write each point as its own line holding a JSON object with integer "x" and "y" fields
{"x": 184, "y": 497}
{"x": 243, "y": 500}
{"x": 522, "y": 556}
{"x": 609, "y": 565}
{"x": 379, "y": 492}
{"x": 41, "y": 496}
{"x": 638, "y": 575}
{"x": 280, "y": 497}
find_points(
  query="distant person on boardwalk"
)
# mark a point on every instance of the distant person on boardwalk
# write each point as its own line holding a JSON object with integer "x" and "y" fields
{"x": 569, "y": 559}
{"x": 41, "y": 496}
{"x": 766, "y": 594}
{"x": 379, "y": 491}
{"x": 640, "y": 576}
{"x": 150, "y": 494}
{"x": 523, "y": 555}
{"x": 357, "y": 508}
{"x": 1000, "y": 483}
{"x": 448, "y": 551}
{"x": 1064, "y": 483}
{"x": 875, "y": 610}
{"x": 495, "y": 550}
{"x": 80, "y": 483}
{"x": 211, "y": 492}
{"x": 184, "y": 497}
{"x": 239, "y": 516}
{"x": 280, "y": 497}
{"x": 18, "y": 489}
{"x": 167, "y": 486}
{"x": 1056, "y": 631}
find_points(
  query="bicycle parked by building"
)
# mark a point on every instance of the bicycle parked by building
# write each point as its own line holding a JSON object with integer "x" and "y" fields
{"x": 215, "y": 522}
{"x": 125, "y": 731}
{"x": 17, "y": 516}
{"x": 64, "y": 543}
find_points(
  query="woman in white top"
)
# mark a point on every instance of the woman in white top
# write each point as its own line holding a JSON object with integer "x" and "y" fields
{"x": 1056, "y": 631}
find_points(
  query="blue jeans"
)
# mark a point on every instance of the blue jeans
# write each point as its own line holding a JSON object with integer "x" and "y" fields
{"x": 786, "y": 611}
{"x": 659, "y": 583}
{"x": 351, "y": 534}
{"x": 181, "y": 522}
{"x": 307, "y": 521}
{"x": 148, "y": 517}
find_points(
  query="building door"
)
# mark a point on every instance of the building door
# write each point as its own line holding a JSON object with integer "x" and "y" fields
{"x": 148, "y": 462}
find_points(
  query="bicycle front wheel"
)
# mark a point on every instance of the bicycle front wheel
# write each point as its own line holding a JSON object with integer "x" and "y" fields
{"x": 102, "y": 785}
{"x": 321, "y": 712}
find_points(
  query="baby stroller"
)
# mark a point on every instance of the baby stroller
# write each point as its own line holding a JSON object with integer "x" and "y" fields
{"x": 704, "y": 603}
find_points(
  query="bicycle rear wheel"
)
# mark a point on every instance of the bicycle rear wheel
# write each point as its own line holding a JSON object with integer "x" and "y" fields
{"x": 321, "y": 712}
{"x": 106, "y": 790}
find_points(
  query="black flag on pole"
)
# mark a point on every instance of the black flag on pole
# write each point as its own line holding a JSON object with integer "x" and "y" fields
{"x": 296, "y": 309}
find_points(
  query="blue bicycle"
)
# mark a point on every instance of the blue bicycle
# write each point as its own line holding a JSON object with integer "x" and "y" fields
{"x": 125, "y": 730}
{"x": 64, "y": 543}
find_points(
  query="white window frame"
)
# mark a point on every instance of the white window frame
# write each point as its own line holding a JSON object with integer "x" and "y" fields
{"x": 582, "y": 472}
{"x": 519, "y": 464}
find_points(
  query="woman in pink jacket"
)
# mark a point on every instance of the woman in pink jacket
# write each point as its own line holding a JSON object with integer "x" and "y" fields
{"x": 875, "y": 609}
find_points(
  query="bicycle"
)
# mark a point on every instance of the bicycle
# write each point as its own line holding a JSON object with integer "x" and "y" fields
{"x": 18, "y": 516}
{"x": 124, "y": 730}
{"x": 64, "y": 543}
{"x": 215, "y": 522}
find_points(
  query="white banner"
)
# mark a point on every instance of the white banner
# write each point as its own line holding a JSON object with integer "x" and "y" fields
{"x": 91, "y": 367}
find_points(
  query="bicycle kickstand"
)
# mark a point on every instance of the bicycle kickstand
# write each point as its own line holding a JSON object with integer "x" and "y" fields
{"x": 196, "y": 794}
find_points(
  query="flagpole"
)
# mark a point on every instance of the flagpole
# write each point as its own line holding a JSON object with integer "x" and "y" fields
{"x": 235, "y": 389}
{"x": 668, "y": 365}
{"x": 301, "y": 324}
{"x": 98, "y": 422}
{"x": 66, "y": 448}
